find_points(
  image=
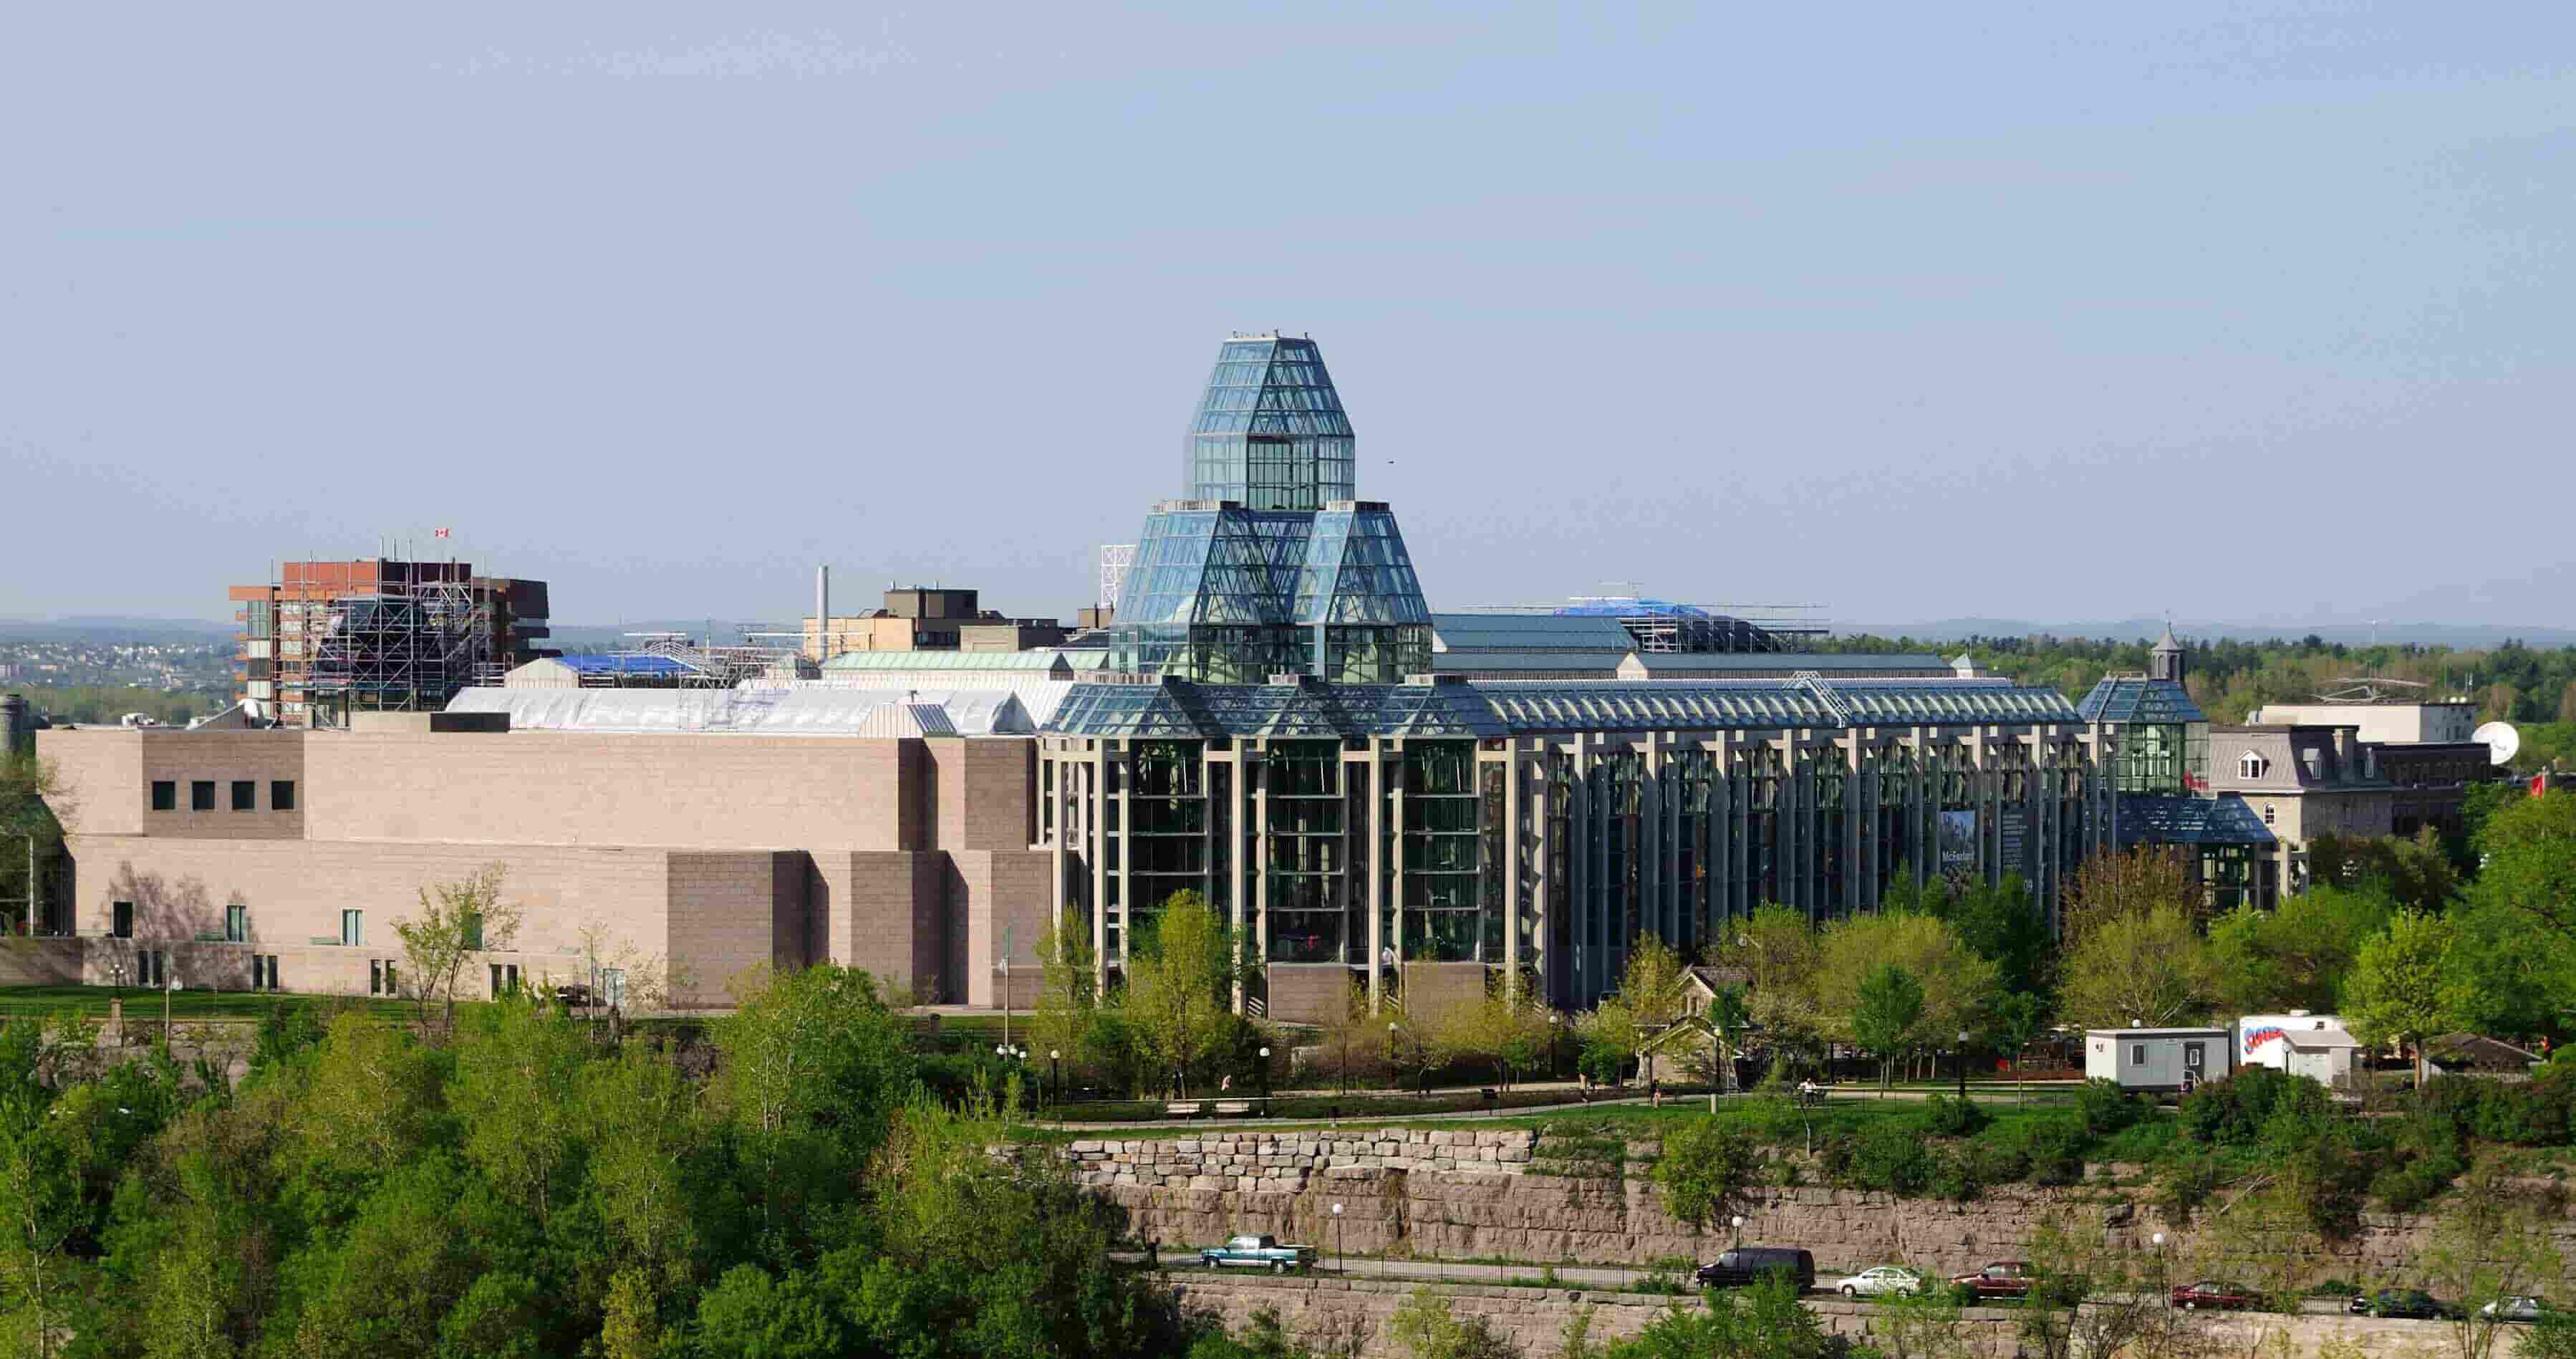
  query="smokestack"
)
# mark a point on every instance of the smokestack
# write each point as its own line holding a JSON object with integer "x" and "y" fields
{"x": 822, "y": 613}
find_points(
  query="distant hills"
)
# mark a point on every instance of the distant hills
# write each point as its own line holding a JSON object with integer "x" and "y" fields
{"x": 112, "y": 630}
{"x": 2458, "y": 636}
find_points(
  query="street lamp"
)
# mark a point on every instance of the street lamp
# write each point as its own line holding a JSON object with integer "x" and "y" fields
{"x": 1055, "y": 1070}
{"x": 1963, "y": 1066}
{"x": 1737, "y": 1223}
{"x": 2163, "y": 1285}
{"x": 1393, "y": 1058}
{"x": 1343, "y": 1255}
{"x": 1265, "y": 1072}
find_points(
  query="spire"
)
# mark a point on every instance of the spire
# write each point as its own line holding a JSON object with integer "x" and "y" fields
{"x": 2165, "y": 659}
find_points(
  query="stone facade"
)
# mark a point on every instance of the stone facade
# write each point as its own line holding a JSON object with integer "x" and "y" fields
{"x": 907, "y": 857}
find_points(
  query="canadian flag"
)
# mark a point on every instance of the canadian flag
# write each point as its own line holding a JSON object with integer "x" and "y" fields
{"x": 442, "y": 533}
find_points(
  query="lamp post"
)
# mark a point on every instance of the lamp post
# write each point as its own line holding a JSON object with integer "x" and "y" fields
{"x": 1265, "y": 1073}
{"x": 1055, "y": 1071}
{"x": 1393, "y": 1058}
{"x": 1963, "y": 1066}
{"x": 1338, "y": 1252}
{"x": 2163, "y": 1285}
{"x": 1736, "y": 1236}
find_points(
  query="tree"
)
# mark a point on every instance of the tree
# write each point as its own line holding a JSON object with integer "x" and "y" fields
{"x": 2003, "y": 924}
{"x": 2489, "y": 1243}
{"x": 1779, "y": 953}
{"x": 1765, "y": 1321}
{"x": 2416, "y": 873}
{"x": 1882, "y": 1023}
{"x": 1182, "y": 967}
{"x": 1068, "y": 1002}
{"x": 41, "y": 1214}
{"x": 455, "y": 921}
{"x": 1351, "y": 1043}
{"x": 2016, "y": 1020}
{"x": 2529, "y": 848}
{"x": 1958, "y": 986}
{"x": 1703, "y": 1167}
{"x": 2296, "y": 956}
{"x": 2145, "y": 962}
{"x": 2401, "y": 990}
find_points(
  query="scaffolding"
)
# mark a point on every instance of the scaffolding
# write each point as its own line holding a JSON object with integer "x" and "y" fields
{"x": 704, "y": 665}
{"x": 399, "y": 645}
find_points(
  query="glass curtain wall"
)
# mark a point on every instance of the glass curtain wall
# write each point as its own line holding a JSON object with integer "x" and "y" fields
{"x": 1167, "y": 837}
{"x": 2151, "y": 758}
{"x": 1306, "y": 863}
{"x": 1443, "y": 879}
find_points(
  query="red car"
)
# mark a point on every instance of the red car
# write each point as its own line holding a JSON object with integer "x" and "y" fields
{"x": 2211, "y": 1293}
{"x": 2002, "y": 1279}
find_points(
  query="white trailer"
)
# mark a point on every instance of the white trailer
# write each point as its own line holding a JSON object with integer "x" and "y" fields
{"x": 2158, "y": 1061}
{"x": 2315, "y": 1046}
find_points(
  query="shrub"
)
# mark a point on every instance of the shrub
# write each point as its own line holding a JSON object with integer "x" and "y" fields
{"x": 1892, "y": 1156}
{"x": 1942, "y": 1116}
{"x": 2056, "y": 1151}
{"x": 1991, "y": 1161}
{"x": 2258, "y": 1105}
{"x": 1954, "y": 1174}
{"x": 2406, "y": 1187}
{"x": 2106, "y": 1108}
{"x": 1703, "y": 1166}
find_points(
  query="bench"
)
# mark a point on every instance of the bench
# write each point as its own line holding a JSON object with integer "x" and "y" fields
{"x": 1185, "y": 1108}
{"x": 1240, "y": 1108}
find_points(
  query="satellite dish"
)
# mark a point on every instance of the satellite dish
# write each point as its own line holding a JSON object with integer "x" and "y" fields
{"x": 2502, "y": 741}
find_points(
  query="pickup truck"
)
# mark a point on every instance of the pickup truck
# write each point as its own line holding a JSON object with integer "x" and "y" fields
{"x": 1258, "y": 1252}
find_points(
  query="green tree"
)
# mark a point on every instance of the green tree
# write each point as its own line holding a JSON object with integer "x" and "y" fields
{"x": 1883, "y": 1020}
{"x": 2402, "y": 989}
{"x": 2003, "y": 924}
{"x": 1068, "y": 1003}
{"x": 1182, "y": 968}
{"x": 1704, "y": 1166}
{"x": 2014, "y": 1022}
{"x": 1958, "y": 986}
{"x": 2144, "y": 963}
{"x": 454, "y": 921}
{"x": 1780, "y": 954}
{"x": 41, "y": 1217}
{"x": 1765, "y": 1321}
{"x": 2490, "y": 1242}
{"x": 2296, "y": 956}
{"x": 815, "y": 1064}
{"x": 2529, "y": 847}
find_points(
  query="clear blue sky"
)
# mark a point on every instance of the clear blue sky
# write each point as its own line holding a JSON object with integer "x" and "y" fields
{"x": 2042, "y": 311}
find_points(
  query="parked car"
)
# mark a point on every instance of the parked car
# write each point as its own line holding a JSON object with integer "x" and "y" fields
{"x": 2002, "y": 1279}
{"x": 2521, "y": 1308}
{"x": 1745, "y": 1264}
{"x": 1885, "y": 1279}
{"x": 2403, "y": 1302}
{"x": 2211, "y": 1293}
{"x": 1258, "y": 1252}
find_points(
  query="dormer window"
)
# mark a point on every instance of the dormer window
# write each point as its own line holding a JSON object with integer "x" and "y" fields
{"x": 2252, "y": 766}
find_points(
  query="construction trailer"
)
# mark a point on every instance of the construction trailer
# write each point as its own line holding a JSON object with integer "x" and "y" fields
{"x": 2158, "y": 1061}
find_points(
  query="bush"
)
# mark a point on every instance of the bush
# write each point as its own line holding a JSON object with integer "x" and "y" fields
{"x": 1992, "y": 1161}
{"x": 2056, "y": 1151}
{"x": 2106, "y": 1108}
{"x": 1954, "y": 1174}
{"x": 2404, "y": 1188}
{"x": 1891, "y": 1156}
{"x": 1942, "y": 1116}
{"x": 2258, "y": 1106}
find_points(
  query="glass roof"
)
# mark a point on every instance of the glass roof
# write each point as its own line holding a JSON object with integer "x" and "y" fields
{"x": 2135, "y": 698}
{"x": 1530, "y": 632}
{"x": 2180, "y": 819}
{"x": 1496, "y": 707}
{"x": 1270, "y": 431}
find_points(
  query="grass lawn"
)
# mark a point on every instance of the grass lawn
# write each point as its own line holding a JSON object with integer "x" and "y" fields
{"x": 40, "y": 1001}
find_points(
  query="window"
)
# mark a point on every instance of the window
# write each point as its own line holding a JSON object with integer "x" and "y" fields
{"x": 353, "y": 929}
{"x": 381, "y": 980}
{"x": 281, "y": 795}
{"x": 2137, "y": 1054}
{"x": 263, "y": 971}
{"x": 245, "y": 795}
{"x": 472, "y": 929}
{"x": 2252, "y": 766}
{"x": 201, "y": 795}
{"x": 612, "y": 986}
{"x": 123, "y": 923}
{"x": 2267, "y": 813}
{"x": 236, "y": 924}
{"x": 165, "y": 795}
{"x": 2193, "y": 1055}
{"x": 505, "y": 979}
{"x": 151, "y": 968}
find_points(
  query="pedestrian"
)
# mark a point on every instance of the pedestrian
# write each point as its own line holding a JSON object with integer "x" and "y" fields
{"x": 1655, "y": 1091}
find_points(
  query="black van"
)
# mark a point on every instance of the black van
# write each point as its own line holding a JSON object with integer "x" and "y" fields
{"x": 1741, "y": 1266}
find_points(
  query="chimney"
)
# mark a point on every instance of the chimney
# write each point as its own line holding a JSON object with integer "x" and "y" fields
{"x": 2347, "y": 769}
{"x": 822, "y": 613}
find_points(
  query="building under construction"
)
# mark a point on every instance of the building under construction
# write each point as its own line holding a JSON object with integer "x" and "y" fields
{"x": 327, "y": 639}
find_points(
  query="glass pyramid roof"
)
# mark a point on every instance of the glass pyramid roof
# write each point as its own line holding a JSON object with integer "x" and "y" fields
{"x": 2135, "y": 698}
{"x": 2180, "y": 819}
{"x": 1270, "y": 431}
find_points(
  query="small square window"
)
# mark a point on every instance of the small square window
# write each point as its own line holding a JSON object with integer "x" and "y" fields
{"x": 281, "y": 795}
{"x": 165, "y": 795}
{"x": 201, "y": 795}
{"x": 245, "y": 795}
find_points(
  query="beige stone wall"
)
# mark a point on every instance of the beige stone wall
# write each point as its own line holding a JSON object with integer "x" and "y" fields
{"x": 986, "y": 792}
{"x": 692, "y": 791}
{"x": 1003, "y": 893}
{"x": 1308, "y": 993}
{"x": 108, "y": 773}
{"x": 41, "y": 962}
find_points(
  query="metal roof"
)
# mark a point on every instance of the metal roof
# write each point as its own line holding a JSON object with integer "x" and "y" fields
{"x": 1179, "y": 708}
{"x": 1788, "y": 662}
{"x": 2177, "y": 819}
{"x": 1456, "y": 661}
{"x": 1528, "y": 632}
{"x": 2135, "y": 698}
{"x": 948, "y": 660}
{"x": 755, "y": 712}
{"x": 623, "y": 664}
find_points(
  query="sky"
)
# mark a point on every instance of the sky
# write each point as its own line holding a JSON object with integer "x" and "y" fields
{"x": 2230, "y": 312}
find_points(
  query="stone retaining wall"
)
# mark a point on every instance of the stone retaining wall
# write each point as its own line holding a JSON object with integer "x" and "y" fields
{"x": 1348, "y": 1318}
{"x": 1471, "y": 1193}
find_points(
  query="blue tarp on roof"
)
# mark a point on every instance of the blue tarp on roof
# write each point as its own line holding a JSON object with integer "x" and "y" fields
{"x": 2134, "y": 698}
{"x": 2160, "y": 819}
{"x": 1633, "y": 608}
{"x": 624, "y": 665}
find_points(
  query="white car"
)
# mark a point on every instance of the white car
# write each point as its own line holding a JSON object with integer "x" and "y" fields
{"x": 1871, "y": 1283}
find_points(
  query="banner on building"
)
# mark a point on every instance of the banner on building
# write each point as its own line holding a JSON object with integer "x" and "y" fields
{"x": 1958, "y": 839}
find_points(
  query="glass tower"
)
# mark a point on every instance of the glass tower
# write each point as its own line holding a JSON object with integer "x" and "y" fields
{"x": 1270, "y": 567}
{"x": 1270, "y": 434}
